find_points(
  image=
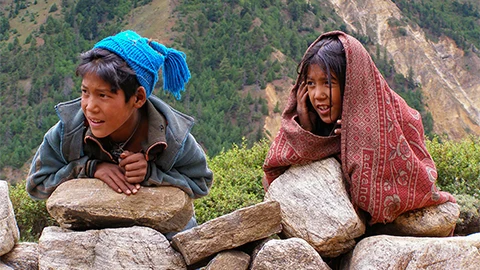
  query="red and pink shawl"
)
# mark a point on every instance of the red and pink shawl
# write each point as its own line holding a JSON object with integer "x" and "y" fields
{"x": 382, "y": 146}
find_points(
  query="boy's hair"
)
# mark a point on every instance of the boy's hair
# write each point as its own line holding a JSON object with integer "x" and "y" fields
{"x": 110, "y": 68}
{"x": 329, "y": 54}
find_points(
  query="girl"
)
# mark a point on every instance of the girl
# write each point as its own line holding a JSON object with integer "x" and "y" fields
{"x": 380, "y": 143}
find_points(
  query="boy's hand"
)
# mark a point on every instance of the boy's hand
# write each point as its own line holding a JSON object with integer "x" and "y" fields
{"x": 302, "y": 108}
{"x": 135, "y": 166}
{"x": 114, "y": 177}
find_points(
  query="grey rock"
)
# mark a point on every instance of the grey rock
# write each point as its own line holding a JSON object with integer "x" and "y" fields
{"x": 23, "y": 256}
{"x": 229, "y": 231}
{"x": 316, "y": 207}
{"x": 400, "y": 252}
{"x": 121, "y": 248}
{"x": 288, "y": 254}
{"x": 9, "y": 233}
{"x": 228, "y": 260}
{"x": 432, "y": 221}
{"x": 81, "y": 204}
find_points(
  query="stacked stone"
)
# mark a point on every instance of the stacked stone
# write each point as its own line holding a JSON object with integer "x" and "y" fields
{"x": 9, "y": 233}
{"x": 305, "y": 222}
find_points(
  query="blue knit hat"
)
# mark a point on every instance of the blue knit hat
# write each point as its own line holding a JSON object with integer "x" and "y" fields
{"x": 146, "y": 57}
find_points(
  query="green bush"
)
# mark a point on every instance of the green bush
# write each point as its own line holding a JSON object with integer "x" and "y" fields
{"x": 458, "y": 164}
{"x": 237, "y": 181}
{"x": 31, "y": 215}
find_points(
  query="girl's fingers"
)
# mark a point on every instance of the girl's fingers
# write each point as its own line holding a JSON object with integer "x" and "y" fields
{"x": 338, "y": 129}
{"x": 301, "y": 90}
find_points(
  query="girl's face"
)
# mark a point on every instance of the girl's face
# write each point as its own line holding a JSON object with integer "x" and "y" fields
{"x": 327, "y": 104}
{"x": 107, "y": 113}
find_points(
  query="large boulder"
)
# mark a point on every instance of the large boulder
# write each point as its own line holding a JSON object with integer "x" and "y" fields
{"x": 316, "y": 207}
{"x": 230, "y": 259}
{"x": 23, "y": 256}
{"x": 400, "y": 252}
{"x": 432, "y": 221}
{"x": 469, "y": 219}
{"x": 5, "y": 267}
{"x": 88, "y": 203}
{"x": 9, "y": 233}
{"x": 120, "y": 248}
{"x": 288, "y": 254}
{"x": 242, "y": 226}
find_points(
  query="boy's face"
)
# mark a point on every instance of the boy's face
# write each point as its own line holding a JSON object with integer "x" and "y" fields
{"x": 319, "y": 94}
{"x": 106, "y": 112}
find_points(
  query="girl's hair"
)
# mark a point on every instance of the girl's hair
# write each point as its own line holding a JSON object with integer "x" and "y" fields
{"x": 329, "y": 54}
{"x": 111, "y": 69}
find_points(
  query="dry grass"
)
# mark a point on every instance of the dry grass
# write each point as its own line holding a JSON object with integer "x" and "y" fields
{"x": 23, "y": 23}
{"x": 154, "y": 20}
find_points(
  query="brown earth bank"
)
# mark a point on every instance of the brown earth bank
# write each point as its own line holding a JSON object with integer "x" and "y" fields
{"x": 448, "y": 76}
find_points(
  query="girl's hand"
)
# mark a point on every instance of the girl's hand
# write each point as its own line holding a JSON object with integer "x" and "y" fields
{"x": 114, "y": 177}
{"x": 302, "y": 109}
{"x": 135, "y": 166}
{"x": 338, "y": 129}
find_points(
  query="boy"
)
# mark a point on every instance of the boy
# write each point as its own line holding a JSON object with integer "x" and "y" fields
{"x": 117, "y": 131}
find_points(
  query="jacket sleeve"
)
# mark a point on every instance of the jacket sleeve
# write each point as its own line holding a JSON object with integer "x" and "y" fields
{"x": 49, "y": 168}
{"x": 189, "y": 172}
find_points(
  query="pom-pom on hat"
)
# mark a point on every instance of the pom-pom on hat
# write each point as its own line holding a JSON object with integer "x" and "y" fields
{"x": 146, "y": 57}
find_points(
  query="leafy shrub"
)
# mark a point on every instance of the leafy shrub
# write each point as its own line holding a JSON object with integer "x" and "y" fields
{"x": 31, "y": 215}
{"x": 53, "y": 8}
{"x": 237, "y": 181}
{"x": 458, "y": 164}
{"x": 469, "y": 218}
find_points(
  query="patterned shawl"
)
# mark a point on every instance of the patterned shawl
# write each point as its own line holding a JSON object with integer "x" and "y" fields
{"x": 382, "y": 148}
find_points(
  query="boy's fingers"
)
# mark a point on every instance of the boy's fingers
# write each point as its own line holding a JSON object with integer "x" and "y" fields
{"x": 112, "y": 185}
{"x": 135, "y": 167}
{"x": 124, "y": 186}
{"x": 125, "y": 154}
{"x": 134, "y": 173}
{"x": 130, "y": 158}
{"x": 135, "y": 179}
{"x": 114, "y": 177}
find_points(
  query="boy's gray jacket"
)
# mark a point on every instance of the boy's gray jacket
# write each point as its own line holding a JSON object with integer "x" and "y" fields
{"x": 61, "y": 155}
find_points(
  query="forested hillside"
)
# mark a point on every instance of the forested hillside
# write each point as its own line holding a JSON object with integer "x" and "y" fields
{"x": 230, "y": 47}
{"x": 38, "y": 73}
{"x": 458, "y": 20}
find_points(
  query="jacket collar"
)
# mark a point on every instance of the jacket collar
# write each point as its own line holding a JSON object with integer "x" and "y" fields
{"x": 176, "y": 127}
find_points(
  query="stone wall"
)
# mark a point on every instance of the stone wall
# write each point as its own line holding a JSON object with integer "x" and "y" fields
{"x": 305, "y": 222}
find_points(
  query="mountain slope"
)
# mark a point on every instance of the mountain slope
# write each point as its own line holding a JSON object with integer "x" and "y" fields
{"x": 242, "y": 55}
{"x": 448, "y": 76}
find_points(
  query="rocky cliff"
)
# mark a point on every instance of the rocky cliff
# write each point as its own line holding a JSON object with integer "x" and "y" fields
{"x": 449, "y": 77}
